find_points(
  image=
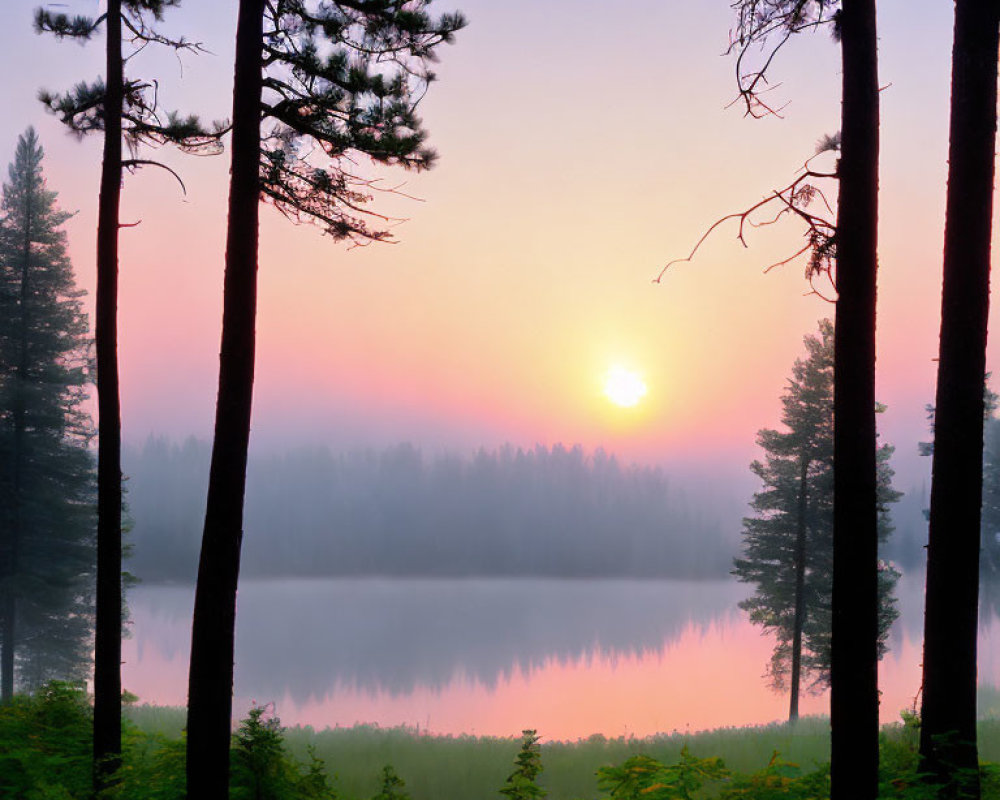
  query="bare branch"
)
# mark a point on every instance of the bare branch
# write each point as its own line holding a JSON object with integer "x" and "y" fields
{"x": 132, "y": 164}
{"x": 759, "y": 22}
{"x": 792, "y": 199}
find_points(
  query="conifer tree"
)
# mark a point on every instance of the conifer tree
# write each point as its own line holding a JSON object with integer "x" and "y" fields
{"x": 847, "y": 252}
{"x": 46, "y": 470}
{"x": 948, "y": 745}
{"x": 317, "y": 85}
{"x": 120, "y": 108}
{"x": 789, "y": 541}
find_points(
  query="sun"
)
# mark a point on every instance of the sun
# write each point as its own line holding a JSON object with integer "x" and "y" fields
{"x": 623, "y": 387}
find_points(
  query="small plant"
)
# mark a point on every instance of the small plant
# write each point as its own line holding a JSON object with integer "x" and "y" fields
{"x": 779, "y": 780}
{"x": 645, "y": 778}
{"x": 521, "y": 783}
{"x": 259, "y": 766}
{"x": 392, "y": 786}
{"x": 313, "y": 783}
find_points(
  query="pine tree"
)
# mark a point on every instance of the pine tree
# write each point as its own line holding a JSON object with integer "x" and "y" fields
{"x": 316, "y": 86}
{"x": 46, "y": 469}
{"x": 121, "y": 109}
{"x": 948, "y": 746}
{"x": 788, "y": 543}
{"x": 849, "y": 258}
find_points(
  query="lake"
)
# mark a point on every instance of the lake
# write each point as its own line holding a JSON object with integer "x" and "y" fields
{"x": 493, "y": 656}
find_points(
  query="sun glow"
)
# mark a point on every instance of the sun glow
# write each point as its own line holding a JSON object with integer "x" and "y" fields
{"x": 623, "y": 387}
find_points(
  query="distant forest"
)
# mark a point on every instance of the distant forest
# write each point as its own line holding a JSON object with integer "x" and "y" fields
{"x": 538, "y": 512}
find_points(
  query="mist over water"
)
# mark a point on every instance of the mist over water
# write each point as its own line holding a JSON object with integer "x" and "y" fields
{"x": 544, "y": 587}
{"x": 394, "y": 635}
{"x": 488, "y": 655}
{"x": 554, "y": 511}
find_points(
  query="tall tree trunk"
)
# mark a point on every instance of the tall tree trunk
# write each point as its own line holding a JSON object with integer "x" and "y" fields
{"x": 800, "y": 588}
{"x": 210, "y": 686}
{"x": 9, "y": 646}
{"x": 108, "y": 633}
{"x": 951, "y": 616}
{"x": 854, "y": 658}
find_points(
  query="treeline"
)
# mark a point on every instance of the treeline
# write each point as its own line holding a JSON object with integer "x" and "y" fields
{"x": 542, "y": 512}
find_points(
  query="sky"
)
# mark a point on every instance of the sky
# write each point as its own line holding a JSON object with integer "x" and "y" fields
{"x": 582, "y": 146}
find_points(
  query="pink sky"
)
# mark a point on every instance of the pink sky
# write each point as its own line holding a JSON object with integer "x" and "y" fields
{"x": 580, "y": 150}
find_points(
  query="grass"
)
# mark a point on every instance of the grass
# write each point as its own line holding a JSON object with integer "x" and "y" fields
{"x": 466, "y": 767}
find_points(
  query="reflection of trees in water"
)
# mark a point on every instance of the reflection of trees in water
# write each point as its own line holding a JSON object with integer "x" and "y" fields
{"x": 306, "y": 637}
{"x": 910, "y": 596}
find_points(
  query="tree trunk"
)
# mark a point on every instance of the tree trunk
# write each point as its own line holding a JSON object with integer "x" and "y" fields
{"x": 951, "y": 616}
{"x": 854, "y": 657}
{"x": 108, "y": 633}
{"x": 800, "y": 589}
{"x": 210, "y": 687}
{"x": 9, "y": 646}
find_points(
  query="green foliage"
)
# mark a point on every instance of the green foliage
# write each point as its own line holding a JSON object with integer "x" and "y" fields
{"x": 152, "y": 767}
{"x": 392, "y": 786}
{"x": 46, "y": 468}
{"x": 313, "y": 782}
{"x": 81, "y": 108}
{"x": 343, "y": 79}
{"x": 262, "y": 769}
{"x": 45, "y": 744}
{"x": 45, "y": 753}
{"x": 797, "y": 499}
{"x": 522, "y": 782}
{"x": 645, "y": 778}
{"x": 259, "y": 768}
{"x": 780, "y": 779}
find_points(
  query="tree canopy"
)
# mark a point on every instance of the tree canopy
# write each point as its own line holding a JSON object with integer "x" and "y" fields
{"x": 788, "y": 542}
{"x": 46, "y": 468}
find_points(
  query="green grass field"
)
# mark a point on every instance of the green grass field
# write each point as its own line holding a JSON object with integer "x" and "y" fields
{"x": 467, "y": 767}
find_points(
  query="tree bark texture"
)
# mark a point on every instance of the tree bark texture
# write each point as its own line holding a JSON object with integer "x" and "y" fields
{"x": 854, "y": 658}
{"x": 951, "y": 614}
{"x": 210, "y": 687}
{"x": 108, "y": 633}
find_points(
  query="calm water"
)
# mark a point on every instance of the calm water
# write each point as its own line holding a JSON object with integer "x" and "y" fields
{"x": 493, "y": 656}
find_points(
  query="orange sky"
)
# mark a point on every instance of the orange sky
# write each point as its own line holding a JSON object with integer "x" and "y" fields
{"x": 580, "y": 150}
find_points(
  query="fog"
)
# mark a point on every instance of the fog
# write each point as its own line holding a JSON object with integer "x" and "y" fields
{"x": 305, "y": 636}
{"x": 542, "y": 511}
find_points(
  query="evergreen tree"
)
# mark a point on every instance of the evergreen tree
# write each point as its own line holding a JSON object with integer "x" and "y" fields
{"x": 849, "y": 258}
{"x": 317, "y": 84}
{"x": 948, "y": 747}
{"x": 46, "y": 469}
{"x": 788, "y": 543}
{"x": 122, "y": 109}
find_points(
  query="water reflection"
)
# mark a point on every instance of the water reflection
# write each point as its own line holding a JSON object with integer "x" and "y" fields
{"x": 395, "y": 635}
{"x": 493, "y": 655}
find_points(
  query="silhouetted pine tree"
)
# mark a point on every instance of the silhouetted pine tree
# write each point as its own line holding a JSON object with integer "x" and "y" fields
{"x": 948, "y": 732}
{"x": 788, "y": 544}
{"x": 851, "y": 252}
{"x": 341, "y": 80}
{"x": 121, "y": 108}
{"x": 46, "y": 470}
